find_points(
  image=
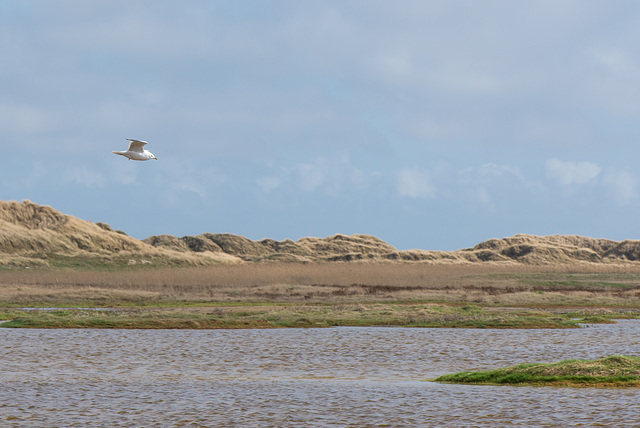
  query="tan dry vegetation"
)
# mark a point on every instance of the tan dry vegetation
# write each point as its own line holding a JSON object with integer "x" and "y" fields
{"x": 520, "y": 249}
{"x": 336, "y": 248}
{"x": 309, "y": 283}
{"x": 36, "y": 236}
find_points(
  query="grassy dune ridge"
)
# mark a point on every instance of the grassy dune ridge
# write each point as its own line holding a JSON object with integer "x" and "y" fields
{"x": 33, "y": 235}
{"x": 37, "y": 236}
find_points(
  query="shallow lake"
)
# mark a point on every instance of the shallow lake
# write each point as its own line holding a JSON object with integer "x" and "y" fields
{"x": 337, "y": 377}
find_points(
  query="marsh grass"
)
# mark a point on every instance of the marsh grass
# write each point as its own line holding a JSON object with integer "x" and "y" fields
{"x": 618, "y": 370}
{"x": 485, "y": 284}
{"x": 289, "y": 316}
{"x": 325, "y": 294}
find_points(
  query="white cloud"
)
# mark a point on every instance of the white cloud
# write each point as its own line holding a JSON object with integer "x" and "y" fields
{"x": 268, "y": 183}
{"x": 23, "y": 177}
{"x": 85, "y": 177}
{"x": 27, "y": 119}
{"x": 622, "y": 186}
{"x": 311, "y": 176}
{"x": 199, "y": 185}
{"x": 179, "y": 178}
{"x": 359, "y": 178}
{"x": 617, "y": 62}
{"x": 35, "y": 175}
{"x": 189, "y": 184}
{"x": 478, "y": 182}
{"x": 567, "y": 173}
{"x": 124, "y": 172}
{"x": 482, "y": 195}
{"x": 415, "y": 183}
{"x": 329, "y": 175}
{"x": 494, "y": 170}
{"x": 396, "y": 67}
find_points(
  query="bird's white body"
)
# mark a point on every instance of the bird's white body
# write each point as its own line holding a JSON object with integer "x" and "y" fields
{"x": 136, "y": 151}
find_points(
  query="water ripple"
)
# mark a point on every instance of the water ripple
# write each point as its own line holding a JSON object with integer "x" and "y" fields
{"x": 340, "y": 377}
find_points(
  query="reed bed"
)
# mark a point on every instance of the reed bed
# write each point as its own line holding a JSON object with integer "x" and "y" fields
{"x": 486, "y": 284}
{"x": 320, "y": 295}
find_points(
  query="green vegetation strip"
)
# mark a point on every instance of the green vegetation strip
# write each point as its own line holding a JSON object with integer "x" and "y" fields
{"x": 614, "y": 371}
{"x": 279, "y": 316}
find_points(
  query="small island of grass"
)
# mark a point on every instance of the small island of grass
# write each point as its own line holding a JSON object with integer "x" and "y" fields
{"x": 613, "y": 371}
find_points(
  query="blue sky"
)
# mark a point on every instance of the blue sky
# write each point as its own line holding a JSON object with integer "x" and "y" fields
{"x": 430, "y": 124}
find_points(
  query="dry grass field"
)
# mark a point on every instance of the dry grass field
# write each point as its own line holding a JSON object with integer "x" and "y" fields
{"x": 324, "y": 294}
{"x": 484, "y": 284}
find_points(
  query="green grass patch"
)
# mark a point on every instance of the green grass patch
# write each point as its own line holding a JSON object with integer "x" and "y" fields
{"x": 112, "y": 264}
{"x": 618, "y": 370}
{"x": 556, "y": 281}
{"x": 280, "y": 316}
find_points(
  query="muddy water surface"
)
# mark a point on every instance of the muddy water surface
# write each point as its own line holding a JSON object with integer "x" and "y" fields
{"x": 339, "y": 377}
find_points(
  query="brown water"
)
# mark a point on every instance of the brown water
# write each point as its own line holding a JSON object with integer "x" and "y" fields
{"x": 339, "y": 377}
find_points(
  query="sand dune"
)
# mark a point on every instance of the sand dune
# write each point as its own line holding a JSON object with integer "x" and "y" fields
{"x": 527, "y": 249}
{"x": 36, "y": 235}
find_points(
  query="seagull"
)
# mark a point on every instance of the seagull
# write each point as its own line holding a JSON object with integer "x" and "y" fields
{"x": 137, "y": 151}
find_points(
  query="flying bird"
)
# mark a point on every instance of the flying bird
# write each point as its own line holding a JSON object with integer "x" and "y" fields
{"x": 136, "y": 151}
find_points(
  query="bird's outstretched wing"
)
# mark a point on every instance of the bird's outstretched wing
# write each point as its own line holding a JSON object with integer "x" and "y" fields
{"x": 136, "y": 145}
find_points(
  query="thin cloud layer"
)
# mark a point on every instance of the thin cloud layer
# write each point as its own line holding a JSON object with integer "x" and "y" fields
{"x": 416, "y": 184}
{"x": 568, "y": 172}
{"x": 314, "y": 118}
{"x": 622, "y": 186}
